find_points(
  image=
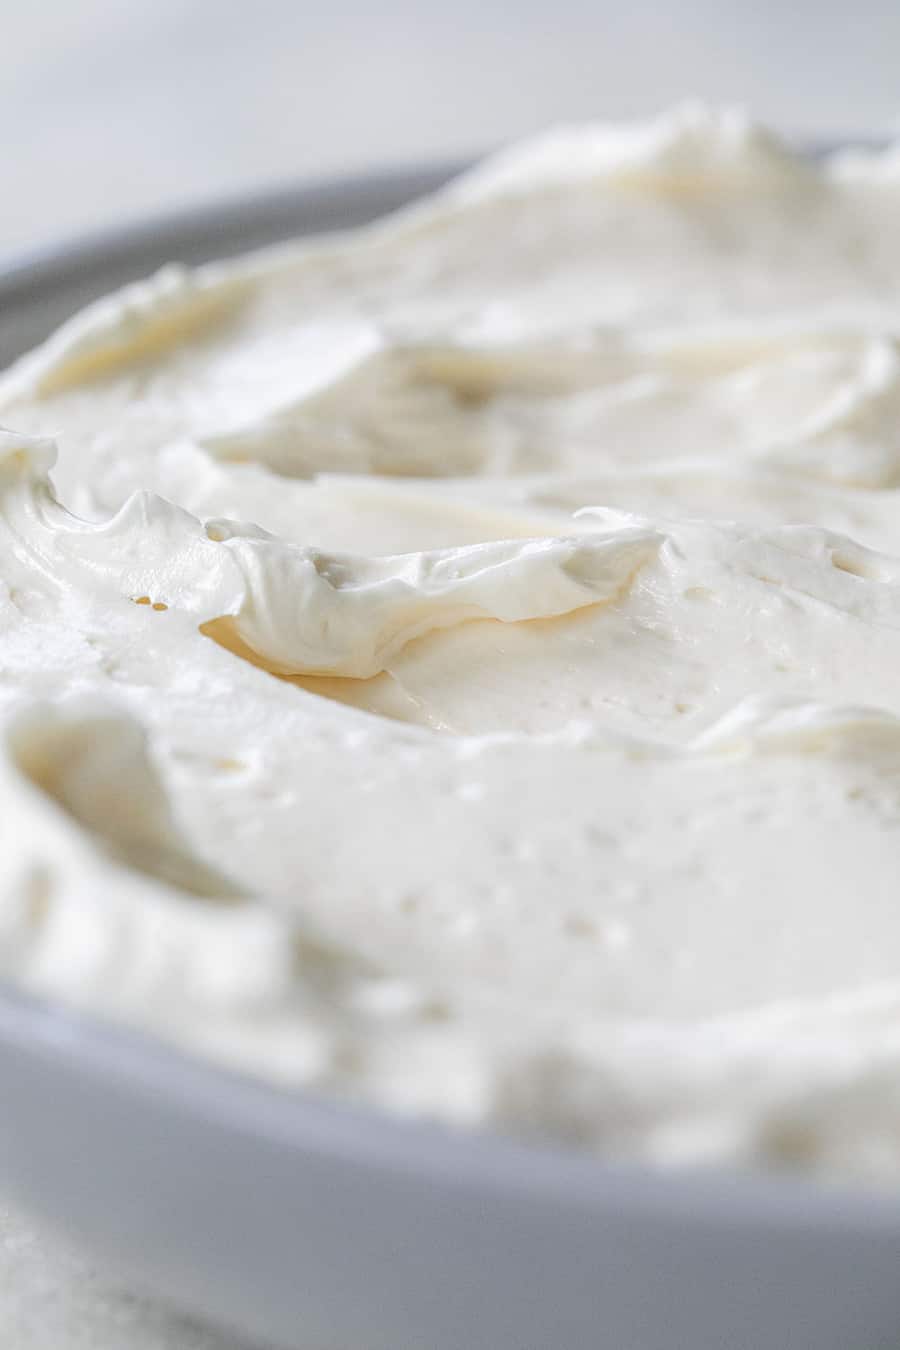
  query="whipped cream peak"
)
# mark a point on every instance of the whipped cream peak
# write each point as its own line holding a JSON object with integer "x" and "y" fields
{"x": 692, "y": 143}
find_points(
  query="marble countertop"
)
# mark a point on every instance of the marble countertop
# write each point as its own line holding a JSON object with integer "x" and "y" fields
{"x": 52, "y": 1297}
{"x": 115, "y": 108}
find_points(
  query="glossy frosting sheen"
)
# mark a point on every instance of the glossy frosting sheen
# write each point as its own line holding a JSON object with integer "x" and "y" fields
{"x": 456, "y": 664}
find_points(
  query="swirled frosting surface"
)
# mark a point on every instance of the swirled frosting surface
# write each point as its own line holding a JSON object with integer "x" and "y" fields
{"x": 455, "y": 664}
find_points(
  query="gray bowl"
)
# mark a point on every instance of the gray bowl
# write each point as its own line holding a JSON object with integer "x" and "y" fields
{"x": 320, "y": 1227}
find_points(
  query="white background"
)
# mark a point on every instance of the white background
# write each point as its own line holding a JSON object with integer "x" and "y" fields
{"x": 111, "y": 108}
{"x": 114, "y": 108}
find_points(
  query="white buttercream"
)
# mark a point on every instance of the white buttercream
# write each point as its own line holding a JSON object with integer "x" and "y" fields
{"x": 454, "y": 664}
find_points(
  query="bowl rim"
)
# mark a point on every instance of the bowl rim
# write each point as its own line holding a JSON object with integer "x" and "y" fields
{"x": 138, "y": 1065}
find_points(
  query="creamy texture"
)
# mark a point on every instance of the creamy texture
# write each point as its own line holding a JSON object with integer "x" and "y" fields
{"x": 453, "y": 664}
